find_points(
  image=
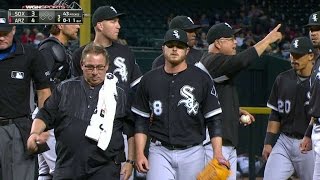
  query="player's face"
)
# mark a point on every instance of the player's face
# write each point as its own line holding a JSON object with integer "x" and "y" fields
{"x": 227, "y": 46}
{"x": 299, "y": 62}
{"x": 71, "y": 31}
{"x": 111, "y": 28}
{"x": 94, "y": 69}
{"x": 6, "y": 38}
{"x": 314, "y": 32}
{"x": 175, "y": 52}
{"x": 192, "y": 39}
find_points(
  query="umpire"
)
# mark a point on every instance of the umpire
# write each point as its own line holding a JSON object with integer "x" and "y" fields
{"x": 289, "y": 102}
{"x": 18, "y": 65}
{"x": 185, "y": 23}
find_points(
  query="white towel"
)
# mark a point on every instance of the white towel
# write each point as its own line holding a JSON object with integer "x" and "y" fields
{"x": 101, "y": 122}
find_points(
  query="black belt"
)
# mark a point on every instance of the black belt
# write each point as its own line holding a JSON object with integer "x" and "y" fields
{"x": 170, "y": 146}
{"x": 294, "y": 135}
{"x": 5, "y": 121}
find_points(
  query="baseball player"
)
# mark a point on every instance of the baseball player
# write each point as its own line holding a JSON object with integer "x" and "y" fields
{"x": 289, "y": 116}
{"x": 106, "y": 24}
{"x": 182, "y": 108}
{"x": 223, "y": 64}
{"x": 185, "y": 23}
{"x": 314, "y": 126}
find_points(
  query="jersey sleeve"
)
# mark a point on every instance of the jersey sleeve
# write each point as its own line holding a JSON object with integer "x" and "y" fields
{"x": 273, "y": 98}
{"x": 211, "y": 105}
{"x": 224, "y": 67}
{"x": 136, "y": 74}
{"x": 141, "y": 108}
{"x": 140, "y": 104}
{"x": 40, "y": 71}
{"x": 314, "y": 102}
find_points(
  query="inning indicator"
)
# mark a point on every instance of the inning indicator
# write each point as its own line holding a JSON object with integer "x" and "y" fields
{"x": 45, "y": 16}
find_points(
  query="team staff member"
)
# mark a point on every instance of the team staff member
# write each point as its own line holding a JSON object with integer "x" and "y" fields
{"x": 181, "y": 109}
{"x": 70, "y": 109}
{"x": 314, "y": 33}
{"x": 18, "y": 65}
{"x": 223, "y": 64}
{"x": 289, "y": 117}
{"x": 185, "y": 23}
{"x": 58, "y": 59}
{"x": 106, "y": 24}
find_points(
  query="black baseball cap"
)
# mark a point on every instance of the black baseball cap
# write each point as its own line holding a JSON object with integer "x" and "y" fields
{"x": 184, "y": 23}
{"x": 177, "y": 35}
{"x": 104, "y": 13}
{"x": 221, "y": 30}
{"x": 301, "y": 45}
{"x": 4, "y": 23}
{"x": 314, "y": 19}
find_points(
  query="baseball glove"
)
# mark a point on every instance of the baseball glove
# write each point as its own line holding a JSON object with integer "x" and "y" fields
{"x": 214, "y": 171}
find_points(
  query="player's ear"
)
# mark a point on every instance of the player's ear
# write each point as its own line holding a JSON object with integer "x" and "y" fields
{"x": 217, "y": 44}
{"x": 59, "y": 26}
{"x": 311, "y": 56}
{"x": 99, "y": 26}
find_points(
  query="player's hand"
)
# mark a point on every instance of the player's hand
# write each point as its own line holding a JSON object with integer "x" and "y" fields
{"x": 222, "y": 160}
{"x": 244, "y": 112}
{"x": 35, "y": 139}
{"x": 274, "y": 35}
{"x": 142, "y": 163}
{"x": 126, "y": 171}
{"x": 305, "y": 145}
{"x": 266, "y": 151}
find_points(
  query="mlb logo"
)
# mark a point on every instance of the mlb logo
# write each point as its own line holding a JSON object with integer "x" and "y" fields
{"x": 3, "y": 20}
{"x": 17, "y": 75}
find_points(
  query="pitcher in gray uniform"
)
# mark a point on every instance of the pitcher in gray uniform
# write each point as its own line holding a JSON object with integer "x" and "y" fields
{"x": 183, "y": 102}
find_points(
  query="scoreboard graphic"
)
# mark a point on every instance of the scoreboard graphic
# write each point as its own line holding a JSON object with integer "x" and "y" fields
{"x": 45, "y": 16}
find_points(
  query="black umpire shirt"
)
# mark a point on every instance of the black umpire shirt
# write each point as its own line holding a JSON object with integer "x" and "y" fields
{"x": 182, "y": 105}
{"x": 68, "y": 110}
{"x": 16, "y": 71}
{"x": 290, "y": 103}
{"x": 315, "y": 90}
{"x": 223, "y": 68}
{"x": 193, "y": 57}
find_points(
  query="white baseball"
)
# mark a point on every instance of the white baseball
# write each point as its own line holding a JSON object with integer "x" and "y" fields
{"x": 245, "y": 119}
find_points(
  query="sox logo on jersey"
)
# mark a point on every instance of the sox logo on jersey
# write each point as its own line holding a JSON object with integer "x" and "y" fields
{"x": 189, "y": 102}
{"x": 121, "y": 68}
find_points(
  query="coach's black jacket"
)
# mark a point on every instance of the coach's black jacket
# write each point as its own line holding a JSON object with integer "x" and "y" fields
{"x": 68, "y": 110}
{"x": 223, "y": 69}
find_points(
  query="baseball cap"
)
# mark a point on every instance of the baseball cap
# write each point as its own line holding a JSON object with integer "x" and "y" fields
{"x": 301, "y": 45}
{"x": 104, "y": 13}
{"x": 177, "y": 35}
{"x": 221, "y": 30}
{"x": 314, "y": 19}
{"x": 183, "y": 22}
{"x": 4, "y": 24}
